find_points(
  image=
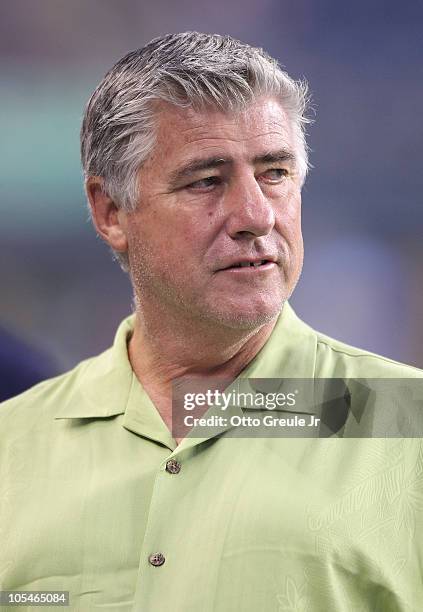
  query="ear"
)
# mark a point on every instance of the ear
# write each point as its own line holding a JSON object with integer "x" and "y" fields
{"x": 108, "y": 219}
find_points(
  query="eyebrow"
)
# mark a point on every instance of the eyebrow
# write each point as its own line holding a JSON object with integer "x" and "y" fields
{"x": 210, "y": 163}
{"x": 282, "y": 155}
{"x": 197, "y": 165}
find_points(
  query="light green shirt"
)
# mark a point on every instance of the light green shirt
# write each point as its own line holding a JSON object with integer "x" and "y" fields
{"x": 246, "y": 525}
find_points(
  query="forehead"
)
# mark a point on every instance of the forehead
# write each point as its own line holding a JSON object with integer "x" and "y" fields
{"x": 183, "y": 132}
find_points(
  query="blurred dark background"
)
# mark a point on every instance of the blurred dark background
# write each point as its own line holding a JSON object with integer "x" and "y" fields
{"x": 363, "y": 212}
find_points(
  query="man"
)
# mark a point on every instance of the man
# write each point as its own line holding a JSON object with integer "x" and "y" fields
{"x": 194, "y": 155}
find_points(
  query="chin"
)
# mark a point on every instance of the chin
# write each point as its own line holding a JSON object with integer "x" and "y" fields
{"x": 248, "y": 320}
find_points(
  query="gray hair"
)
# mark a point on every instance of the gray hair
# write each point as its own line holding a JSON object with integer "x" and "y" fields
{"x": 188, "y": 69}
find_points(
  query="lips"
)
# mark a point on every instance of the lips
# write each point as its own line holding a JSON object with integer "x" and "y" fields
{"x": 247, "y": 263}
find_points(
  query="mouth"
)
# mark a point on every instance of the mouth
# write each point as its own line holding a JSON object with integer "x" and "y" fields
{"x": 250, "y": 265}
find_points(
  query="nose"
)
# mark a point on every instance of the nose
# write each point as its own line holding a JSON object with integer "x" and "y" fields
{"x": 249, "y": 213}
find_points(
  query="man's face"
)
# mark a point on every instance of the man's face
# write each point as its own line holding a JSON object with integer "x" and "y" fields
{"x": 219, "y": 193}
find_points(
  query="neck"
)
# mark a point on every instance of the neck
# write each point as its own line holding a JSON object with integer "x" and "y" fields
{"x": 162, "y": 355}
{"x": 162, "y": 350}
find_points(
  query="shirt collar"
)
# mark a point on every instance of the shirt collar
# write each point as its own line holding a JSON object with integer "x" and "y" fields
{"x": 107, "y": 386}
{"x": 102, "y": 384}
{"x": 290, "y": 351}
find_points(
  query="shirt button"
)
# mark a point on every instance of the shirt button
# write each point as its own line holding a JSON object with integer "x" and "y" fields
{"x": 156, "y": 559}
{"x": 173, "y": 466}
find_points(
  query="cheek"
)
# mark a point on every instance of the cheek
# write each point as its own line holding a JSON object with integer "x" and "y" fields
{"x": 289, "y": 220}
{"x": 196, "y": 231}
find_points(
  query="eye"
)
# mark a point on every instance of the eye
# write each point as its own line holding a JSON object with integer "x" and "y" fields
{"x": 275, "y": 175}
{"x": 205, "y": 184}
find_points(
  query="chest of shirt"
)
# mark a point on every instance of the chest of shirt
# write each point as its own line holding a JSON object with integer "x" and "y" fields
{"x": 244, "y": 521}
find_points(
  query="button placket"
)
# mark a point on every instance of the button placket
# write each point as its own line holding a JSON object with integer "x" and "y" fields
{"x": 157, "y": 559}
{"x": 155, "y": 552}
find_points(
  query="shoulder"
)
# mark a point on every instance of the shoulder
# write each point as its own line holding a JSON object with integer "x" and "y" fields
{"x": 96, "y": 387}
{"x": 45, "y": 399}
{"x": 312, "y": 354}
{"x": 337, "y": 359}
